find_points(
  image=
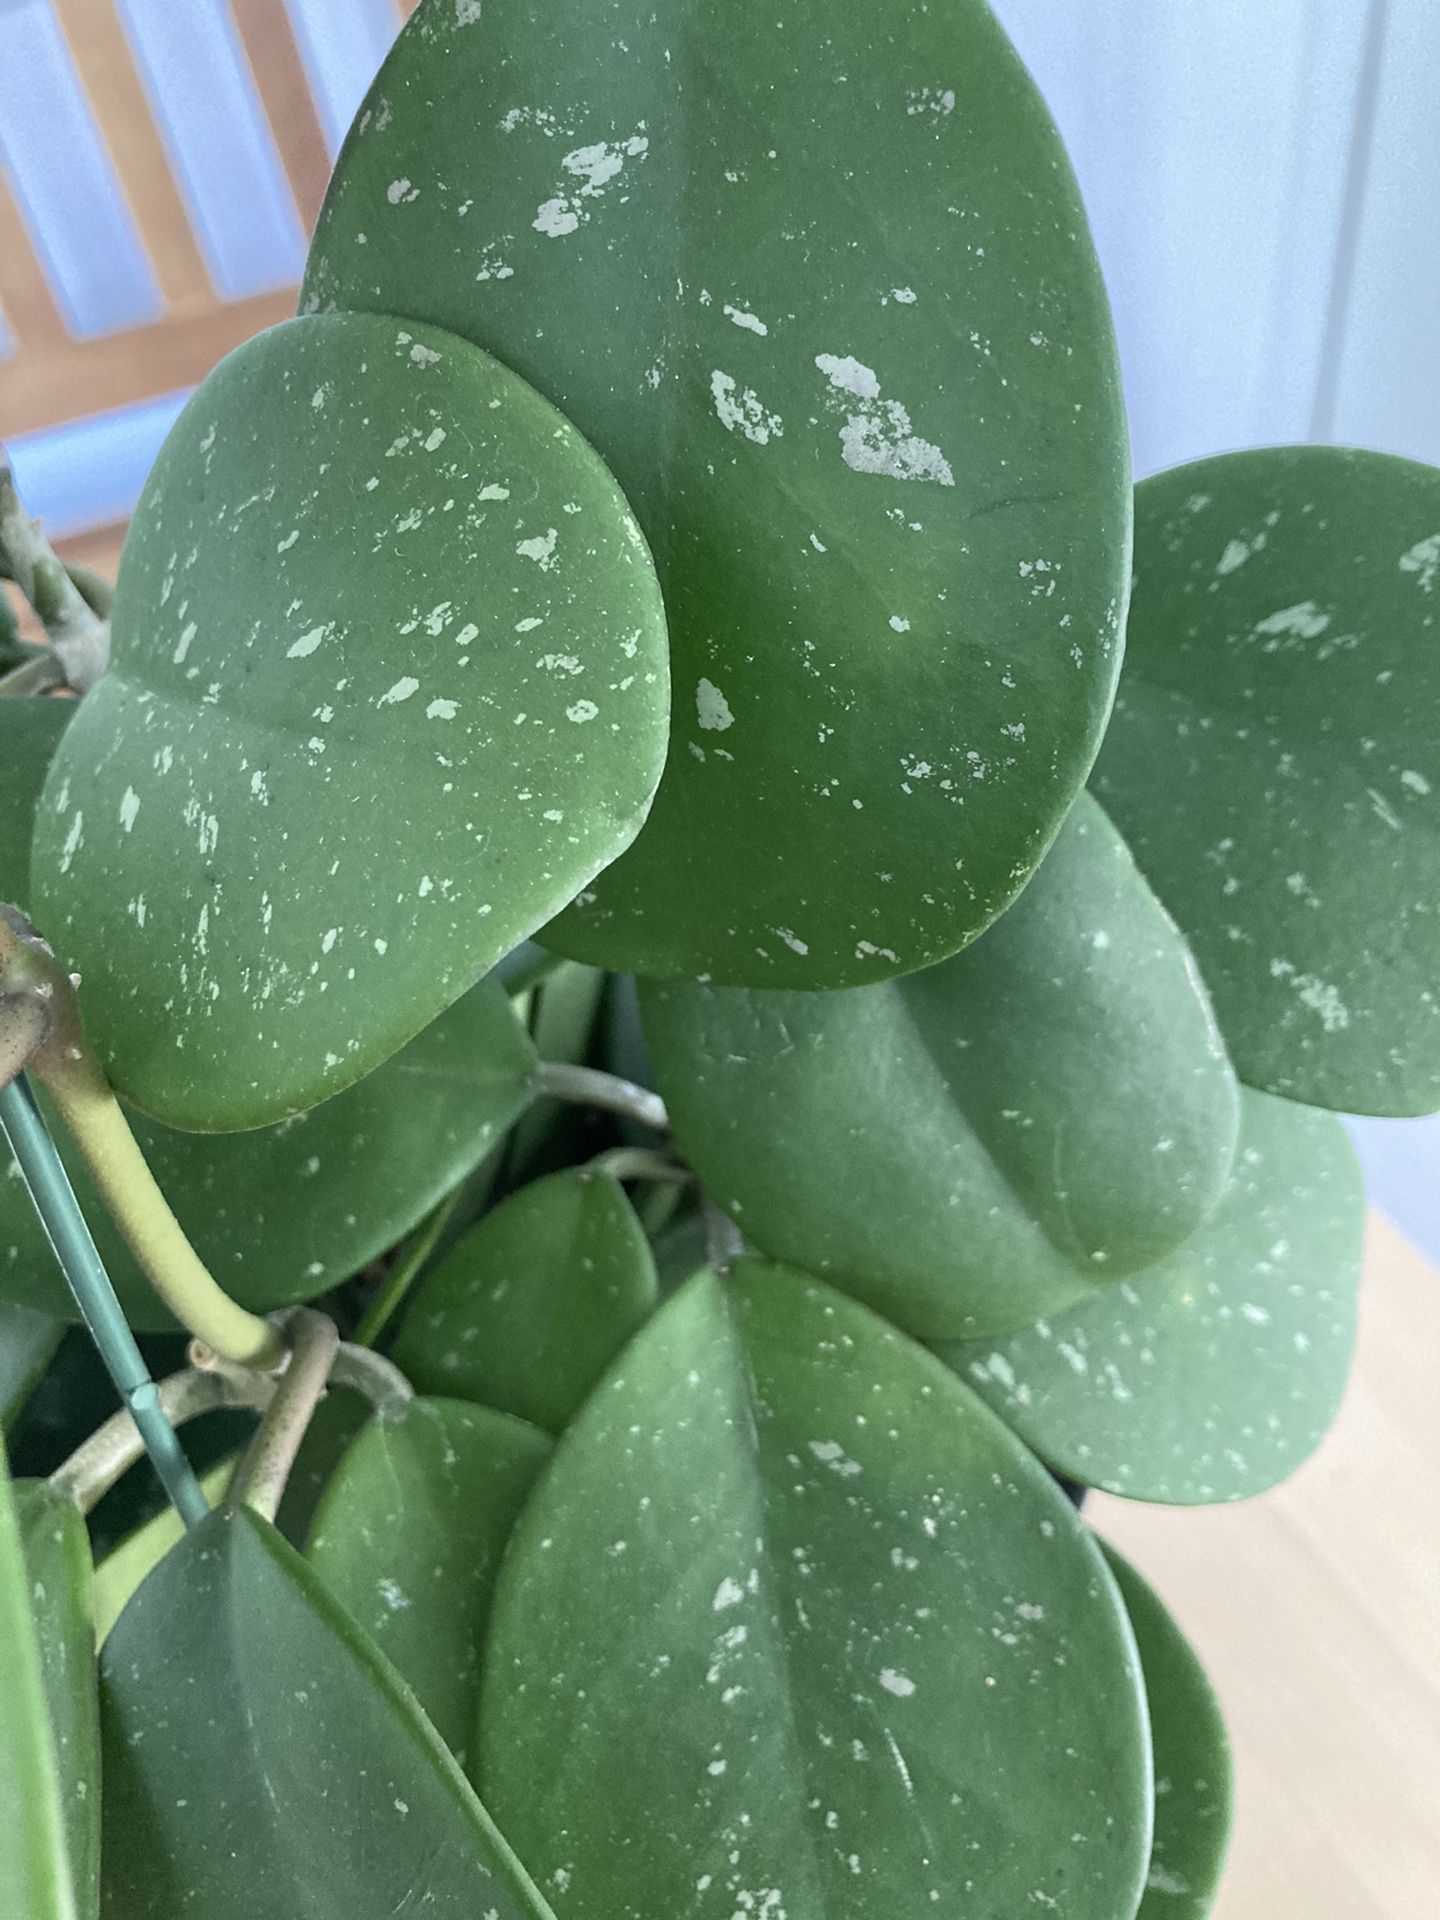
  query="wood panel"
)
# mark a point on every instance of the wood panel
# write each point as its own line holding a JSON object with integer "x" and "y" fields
{"x": 103, "y": 60}
{"x": 268, "y": 36}
{"x": 31, "y": 315}
{"x": 66, "y": 379}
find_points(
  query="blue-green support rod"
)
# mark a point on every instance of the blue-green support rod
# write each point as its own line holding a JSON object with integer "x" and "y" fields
{"x": 85, "y": 1274}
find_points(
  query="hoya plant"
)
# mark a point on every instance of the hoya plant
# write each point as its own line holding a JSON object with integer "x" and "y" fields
{"x": 656, "y": 997}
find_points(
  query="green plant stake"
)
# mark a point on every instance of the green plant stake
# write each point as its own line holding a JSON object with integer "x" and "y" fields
{"x": 87, "y": 1279}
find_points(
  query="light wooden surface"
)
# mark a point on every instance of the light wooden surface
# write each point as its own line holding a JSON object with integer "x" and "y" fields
{"x": 1316, "y": 1609}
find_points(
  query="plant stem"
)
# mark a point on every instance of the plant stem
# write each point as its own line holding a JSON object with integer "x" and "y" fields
{"x": 111, "y": 1451}
{"x": 375, "y": 1378}
{"x": 260, "y": 1478}
{"x": 640, "y": 1163}
{"x": 724, "y": 1241}
{"x": 406, "y": 1270}
{"x": 79, "y": 636}
{"x": 71, "y": 1072}
{"x": 85, "y": 1273}
{"x": 587, "y": 1086}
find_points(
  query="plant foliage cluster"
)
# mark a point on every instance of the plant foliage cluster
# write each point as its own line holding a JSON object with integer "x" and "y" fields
{"x": 689, "y": 526}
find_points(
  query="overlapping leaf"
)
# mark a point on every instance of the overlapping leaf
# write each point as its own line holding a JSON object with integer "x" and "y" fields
{"x": 30, "y": 731}
{"x": 284, "y": 1213}
{"x": 792, "y": 1625}
{"x": 822, "y": 294}
{"x": 262, "y": 1757}
{"x": 408, "y": 1538}
{"x": 1192, "y": 1759}
{"x": 1213, "y": 1375}
{"x": 528, "y": 1311}
{"x": 981, "y": 1143}
{"x": 389, "y": 684}
{"x": 28, "y": 1341}
{"x": 1274, "y": 760}
{"x": 56, "y": 1549}
{"x": 35, "y": 1872}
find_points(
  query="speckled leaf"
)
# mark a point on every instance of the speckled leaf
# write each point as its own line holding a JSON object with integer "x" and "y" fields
{"x": 57, "y": 1558}
{"x": 976, "y": 1145}
{"x": 817, "y": 284}
{"x": 235, "y": 1697}
{"x": 389, "y": 684}
{"x": 1212, "y": 1376}
{"x": 284, "y": 1213}
{"x": 1275, "y": 762}
{"x": 27, "y": 1346}
{"x": 793, "y": 1626}
{"x": 1192, "y": 1759}
{"x": 30, "y": 731}
{"x": 408, "y": 1538}
{"x": 35, "y": 1875}
{"x": 531, "y": 1307}
{"x": 120, "y": 1573}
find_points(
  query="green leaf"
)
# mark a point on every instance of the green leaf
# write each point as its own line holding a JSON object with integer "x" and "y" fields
{"x": 1212, "y": 1376}
{"x": 236, "y": 1696}
{"x": 1281, "y": 684}
{"x": 848, "y": 353}
{"x": 35, "y": 1876}
{"x": 30, "y": 730}
{"x": 56, "y": 1547}
{"x": 531, "y": 1307}
{"x": 27, "y": 1346}
{"x": 976, "y": 1145}
{"x": 284, "y": 1213}
{"x": 389, "y": 684}
{"x": 124, "y": 1568}
{"x": 793, "y": 1626}
{"x": 408, "y": 1538}
{"x": 1192, "y": 1759}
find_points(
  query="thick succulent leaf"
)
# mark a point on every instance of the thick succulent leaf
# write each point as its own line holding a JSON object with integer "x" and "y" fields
{"x": 1275, "y": 763}
{"x": 848, "y": 352}
{"x": 124, "y": 1568}
{"x": 793, "y": 1626}
{"x": 28, "y": 1341}
{"x": 389, "y": 683}
{"x": 1213, "y": 1375}
{"x": 30, "y": 731}
{"x": 56, "y": 1547}
{"x": 285, "y": 1212}
{"x": 982, "y": 1143}
{"x": 236, "y": 1696}
{"x": 1192, "y": 1759}
{"x": 35, "y": 1875}
{"x": 408, "y": 1538}
{"x": 530, "y": 1308}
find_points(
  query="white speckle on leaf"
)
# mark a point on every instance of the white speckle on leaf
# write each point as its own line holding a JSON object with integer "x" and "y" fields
{"x": 729, "y": 1593}
{"x": 307, "y": 643}
{"x": 1423, "y": 559}
{"x": 749, "y": 321}
{"x": 900, "y": 1684}
{"x": 581, "y": 711}
{"x": 182, "y": 645}
{"x": 129, "y": 807}
{"x": 594, "y": 167}
{"x": 1303, "y": 621}
{"x": 712, "y": 709}
{"x": 402, "y": 690}
{"x": 743, "y": 409}
{"x": 442, "y": 710}
{"x": 401, "y": 190}
{"x": 541, "y": 549}
{"x": 877, "y": 436}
